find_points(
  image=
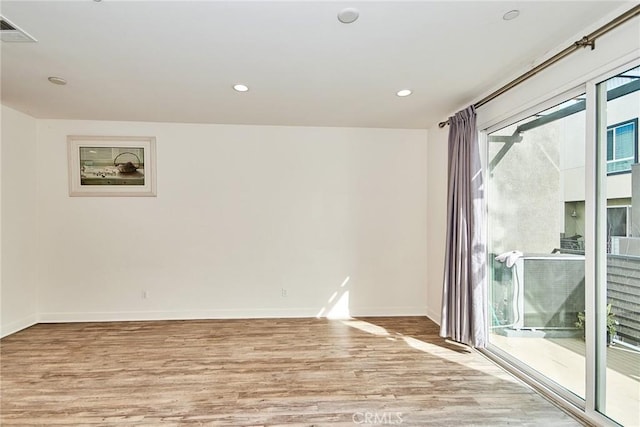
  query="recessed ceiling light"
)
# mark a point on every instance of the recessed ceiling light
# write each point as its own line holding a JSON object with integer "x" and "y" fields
{"x": 57, "y": 81}
{"x": 240, "y": 88}
{"x": 512, "y": 14}
{"x": 348, "y": 15}
{"x": 404, "y": 92}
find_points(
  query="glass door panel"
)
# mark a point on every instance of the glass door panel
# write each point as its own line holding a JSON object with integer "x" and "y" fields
{"x": 536, "y": 206}
{"x": 618, "y": 250}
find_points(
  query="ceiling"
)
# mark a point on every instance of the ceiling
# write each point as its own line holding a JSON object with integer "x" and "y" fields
{"x": 176, "y": 61}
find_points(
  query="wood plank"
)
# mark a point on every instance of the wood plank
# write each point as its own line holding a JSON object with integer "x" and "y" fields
{"x": 258, "y": 372}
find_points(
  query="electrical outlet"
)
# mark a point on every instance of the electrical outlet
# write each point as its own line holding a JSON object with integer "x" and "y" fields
{"x": 284, "y": 292}
{"x": 144, "y": 294}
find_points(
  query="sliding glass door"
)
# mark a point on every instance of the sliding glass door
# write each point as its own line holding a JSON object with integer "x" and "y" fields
{"x": 617, "y": 294}
{"x": 536, "y": 201}
{"x": 563, "y": 203}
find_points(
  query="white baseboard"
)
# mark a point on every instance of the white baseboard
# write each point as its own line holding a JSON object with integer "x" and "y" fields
{"x": 220, "y": 314}
{"x": 169, "y": 315}
{"x": 18, "y": 325}
{"x": 388, "y": 311}
{"x": 434, "y": 315}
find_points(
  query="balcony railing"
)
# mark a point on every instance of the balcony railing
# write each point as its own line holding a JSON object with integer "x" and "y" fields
{"x": 525, "y": 294}
{"x": 623, "y": 293}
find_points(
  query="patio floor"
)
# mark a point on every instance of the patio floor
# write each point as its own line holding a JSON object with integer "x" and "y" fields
{"x": 563, "y": 361}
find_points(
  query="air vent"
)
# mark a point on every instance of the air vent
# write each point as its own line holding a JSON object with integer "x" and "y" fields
{"x": 10, "y": 32}
{"x": 5, "y": 26}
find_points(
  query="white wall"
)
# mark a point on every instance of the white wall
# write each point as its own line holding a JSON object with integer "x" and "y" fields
{"x": 436, "y": 217}
{"x": 19, "y": 238}
{"x": 612, "y": 50}
{"x": 524, "y": 202}
{"x": 241, "y": 212}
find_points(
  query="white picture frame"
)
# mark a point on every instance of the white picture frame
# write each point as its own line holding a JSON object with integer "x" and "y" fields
{"x": 112, "y": 166}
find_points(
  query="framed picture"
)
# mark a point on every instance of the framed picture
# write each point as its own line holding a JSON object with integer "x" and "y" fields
{"x": 112, "y": 166}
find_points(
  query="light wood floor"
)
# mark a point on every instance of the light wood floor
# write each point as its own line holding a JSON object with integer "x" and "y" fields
{"x": 562, "y": 360}
{"x": 302, "y": 372}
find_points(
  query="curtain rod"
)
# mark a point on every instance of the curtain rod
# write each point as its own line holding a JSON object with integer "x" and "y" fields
{"x": 589, "y": 40}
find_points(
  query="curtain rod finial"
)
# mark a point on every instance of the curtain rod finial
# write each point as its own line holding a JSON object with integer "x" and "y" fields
{"x": 443, "y": 124}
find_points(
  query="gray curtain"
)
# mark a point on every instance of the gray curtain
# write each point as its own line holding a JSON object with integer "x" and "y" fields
{"x": 464, "y": 293}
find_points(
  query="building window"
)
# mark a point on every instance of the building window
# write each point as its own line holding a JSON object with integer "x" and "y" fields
{"x": 619, "y": 221}
{"x": 622, "y": 146}
{"x": 618, "y": 225}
